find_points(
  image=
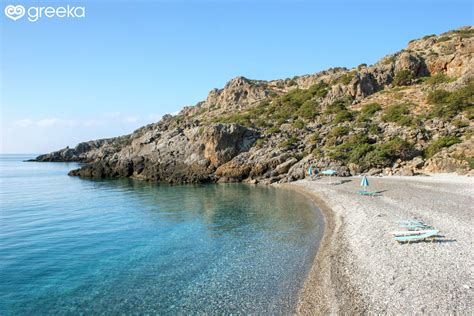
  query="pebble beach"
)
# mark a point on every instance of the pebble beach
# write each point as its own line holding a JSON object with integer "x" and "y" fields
{"x": 360, "y": 268}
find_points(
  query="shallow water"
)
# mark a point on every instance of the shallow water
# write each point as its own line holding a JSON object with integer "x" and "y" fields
{"x": 70, "y": 246}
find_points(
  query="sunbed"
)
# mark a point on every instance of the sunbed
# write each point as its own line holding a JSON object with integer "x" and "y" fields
{"x": 410, "y": 232}
{"x": 430, "y": 234}
{"x": 368, "y": 193}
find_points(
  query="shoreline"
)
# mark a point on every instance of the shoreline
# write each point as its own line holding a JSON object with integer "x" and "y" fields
{"x": 359, "y": 268}
{"x": 326, "y": 284}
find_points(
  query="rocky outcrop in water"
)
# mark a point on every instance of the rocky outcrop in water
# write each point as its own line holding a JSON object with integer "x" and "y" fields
{"x": 185, "y": 154}
{"x": 412, "y": 112}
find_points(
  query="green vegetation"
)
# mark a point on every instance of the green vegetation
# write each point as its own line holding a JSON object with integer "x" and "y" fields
{"x": 447, "y": 104}
{"x": 343, "y": 116}
{"x": 296, "y": 104}
{"x": 470, "y": 112}
{"x": 308, "y": 109}
{"x": 344, "y": 151}
{"x": 340, "y": 131}
{"x": 368, "y": 111}
{"x": 390, "y": 59}
{"x": 403, "y": 78}
{"x": 460, "y": 123}
{"x": 259, "y": 142}
{"x": 361, "y": 66}
{"x": 359, "y": 149}
{"x": 443, "y": 39}
{"x": 290, "y": 142}
{"x": 299, "y": 124}
{"x": 373, "y": 129}
{"x": 465, "y": 33}
{"x": 335, "y": 107}
{"x": 438, "y": 78}
{"x": 436, "y": 146}
{"x": 387, "y": 153}
{"x": 397, "y": 113}
{"x": 315, "y": 138}
{"x": 428, "y": 36}
{"x": 470, "y": 161}
{"x": 346, "y": 78}
{"x": 273, "y": 130}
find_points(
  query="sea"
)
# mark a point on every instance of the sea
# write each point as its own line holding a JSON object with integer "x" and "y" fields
{"x": 73, "y": 246}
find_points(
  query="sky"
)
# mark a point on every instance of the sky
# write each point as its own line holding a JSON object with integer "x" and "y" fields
{"x": 127, "y": 63}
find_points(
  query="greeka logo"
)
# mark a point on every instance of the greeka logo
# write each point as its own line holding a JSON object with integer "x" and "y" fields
{"x": 16, "y": 12}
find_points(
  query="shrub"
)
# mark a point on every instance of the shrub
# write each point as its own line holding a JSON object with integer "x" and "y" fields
{"x": 343, "y": 116}
{"x": 273, "y": 130}
{"x": 438, "y": 78}
{"x": 438, "y": 97}
{"x": 460, "y": 123}
{"x": 387, "y": 153}
{"x": 403, "y": 78}
{"x": 346, "y": 78}
{"x": 340, "y": 131}
{"x": 470, "y": 161}
{"x": 299, "y": 124}
{"x": 449, "y": 104}
{"x": 344, "y": 151}
{"x": 358, "y": 149}
{"x": 398, "y": 113}
{"x": 290, "y": 142}
{"x": 335, "y": 107}
{"x": 389, "y": 59}
{"x": 361, "y": 66}
{"x": 297, "y": 103}
{"x": 314, "y": 138}
{"x": 259, "y": 143}
{"x": 308, "y": 109}
{"x": 317, "y": 153}
{"x": 428, "y": 36}
{"x": 465, "y": 33}
{"x": 470, "y": 112}
{"x": 368, "y": 111}
{"x": 443, "y": 39}
{"x": 398, "y": 148}
{"x": 373, "y": 129}
{"x": 359, "y": 152}
{"x": 319, "y": 89}
{"x": 436, "y": 146}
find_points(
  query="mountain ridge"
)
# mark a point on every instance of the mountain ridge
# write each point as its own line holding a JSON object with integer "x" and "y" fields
{"x": 409, "y": 113}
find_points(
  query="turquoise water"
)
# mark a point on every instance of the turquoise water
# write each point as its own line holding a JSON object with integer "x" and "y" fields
{"x": 72, "y": 246}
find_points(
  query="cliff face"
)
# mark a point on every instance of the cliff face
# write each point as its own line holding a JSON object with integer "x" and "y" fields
{"x": 409, "y": 113}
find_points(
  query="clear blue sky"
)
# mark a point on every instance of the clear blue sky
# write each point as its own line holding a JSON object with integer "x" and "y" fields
{"x": 129, "y": 62}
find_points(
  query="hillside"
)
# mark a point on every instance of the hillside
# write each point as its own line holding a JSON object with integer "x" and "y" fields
{"x": 411, "y": 112}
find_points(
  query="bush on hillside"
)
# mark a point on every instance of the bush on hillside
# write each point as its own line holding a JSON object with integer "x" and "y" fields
{"x": 403, "y": 78}
{"x": 447, "y": 104}
{"x": 436, "y": 146}
{"x": 358, "y": 149}
{"x": 343, "y": 116}
{"x": 368, "y": 111}
{"x": 397, "y": 113}
{"x": 340, "y": 131}
{"x": 438, "y": 78}
{"x": 308, "y": 110}
{"x": 335, "y": 107}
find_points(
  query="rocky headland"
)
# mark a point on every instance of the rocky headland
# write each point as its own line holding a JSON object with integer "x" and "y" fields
{"x": 410, "y": 113}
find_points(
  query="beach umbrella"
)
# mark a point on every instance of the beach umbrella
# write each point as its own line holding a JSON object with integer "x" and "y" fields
{"x": 364, "y": 182}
